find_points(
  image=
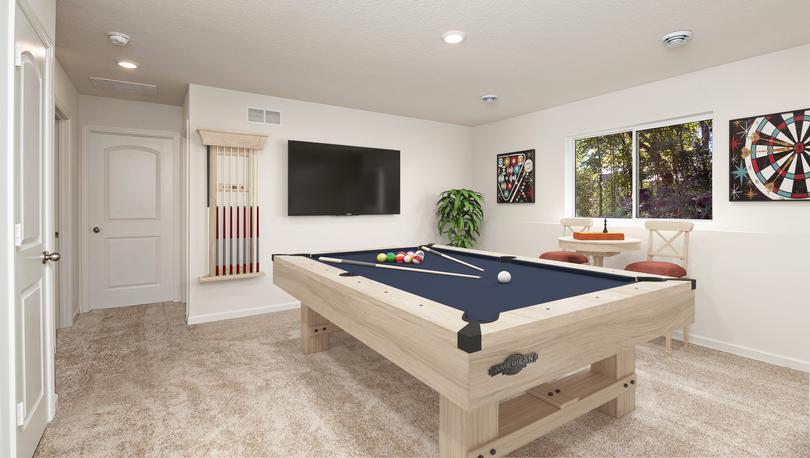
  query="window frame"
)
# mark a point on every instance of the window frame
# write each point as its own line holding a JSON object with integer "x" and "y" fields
{"x": 571, "y": 158}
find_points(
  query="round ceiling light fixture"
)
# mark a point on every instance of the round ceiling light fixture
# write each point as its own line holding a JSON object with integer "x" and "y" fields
{"x": 128, "y": 64}
{"x": 453, "y": 37}
{"x": 118, "y": 39}
{"x": 489, "y": 98}
{"x": 677, "y": 38}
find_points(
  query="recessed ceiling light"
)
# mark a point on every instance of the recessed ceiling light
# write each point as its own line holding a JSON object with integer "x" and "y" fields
{"x": 489, "y": 98}
{"x": 677, "y": 38}
{"x": 127, "y": 64}
{"x": 454, "y": 37}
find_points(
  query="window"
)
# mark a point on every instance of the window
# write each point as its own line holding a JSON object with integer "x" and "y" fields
{"x": 604, "y": 176}
{"x": 671, "y": 166}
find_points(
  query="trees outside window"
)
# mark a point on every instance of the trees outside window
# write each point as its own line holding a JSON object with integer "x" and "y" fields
{"x": 604, "y": 176}
{"x": 673, "y": 173}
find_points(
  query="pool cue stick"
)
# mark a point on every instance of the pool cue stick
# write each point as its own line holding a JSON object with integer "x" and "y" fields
{"x": 250, "y": 209}
{"x": 215, "y": 203}
{"x": 238, "y": 209}
{"x": 258, "y": 232}
{"x": 387, "y": 266}
{"x": 242, "y": 203}
{"x": 450, "y": 258}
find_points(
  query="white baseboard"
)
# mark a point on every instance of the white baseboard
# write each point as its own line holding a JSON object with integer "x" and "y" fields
{"x": 746, "y": 352}
{"x": 241, "y": 313}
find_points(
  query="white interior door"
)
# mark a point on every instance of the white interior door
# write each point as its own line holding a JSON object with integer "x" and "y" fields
{"x": 33, "y": 208}
{"x": 130, "y": 196}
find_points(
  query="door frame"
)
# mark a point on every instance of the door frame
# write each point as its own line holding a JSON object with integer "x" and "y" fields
{"x": 66, "y": 214}
{"x": 84, "y": 227}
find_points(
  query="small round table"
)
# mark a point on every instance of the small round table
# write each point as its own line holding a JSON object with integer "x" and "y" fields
{"x": 599, "y": 249}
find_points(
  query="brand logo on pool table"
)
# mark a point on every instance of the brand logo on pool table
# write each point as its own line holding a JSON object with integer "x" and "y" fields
{"x": 513, "y": 364}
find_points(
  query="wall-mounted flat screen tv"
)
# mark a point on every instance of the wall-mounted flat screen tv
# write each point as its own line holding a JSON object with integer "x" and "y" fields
{"x": 324, "y": 179}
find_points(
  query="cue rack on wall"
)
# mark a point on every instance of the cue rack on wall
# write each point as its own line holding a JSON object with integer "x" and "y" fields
{"x": 233, "y": 208}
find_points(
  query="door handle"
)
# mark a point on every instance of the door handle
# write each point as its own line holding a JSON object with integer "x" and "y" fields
{"x": 96, "y": 229}
{"x": 50, "y": 256}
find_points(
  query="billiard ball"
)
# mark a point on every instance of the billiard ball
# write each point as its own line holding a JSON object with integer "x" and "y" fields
{"x": 417, "y": 259}
{"x": 407, "y": 259}
{"x": 504, "y": 277}
{"x": 381, "y": 257}
{"x": 400, "y": 258}
{"x": 390, "y": 257}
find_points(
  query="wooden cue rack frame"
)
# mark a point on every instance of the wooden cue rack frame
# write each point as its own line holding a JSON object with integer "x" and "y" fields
{"x": 233, "y": 207}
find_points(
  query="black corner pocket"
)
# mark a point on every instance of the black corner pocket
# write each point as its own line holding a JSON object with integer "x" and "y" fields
{"x": 469, "y": 337}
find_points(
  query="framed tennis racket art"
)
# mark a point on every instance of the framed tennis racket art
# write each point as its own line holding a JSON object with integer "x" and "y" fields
{"x": 516, "y": 177}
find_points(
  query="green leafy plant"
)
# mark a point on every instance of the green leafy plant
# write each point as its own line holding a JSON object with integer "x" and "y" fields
{"x": 460, "y": 212}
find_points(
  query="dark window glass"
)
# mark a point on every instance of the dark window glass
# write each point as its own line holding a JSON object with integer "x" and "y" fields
{"x": 604, "y": 176}
{"x": 675, "y": 171}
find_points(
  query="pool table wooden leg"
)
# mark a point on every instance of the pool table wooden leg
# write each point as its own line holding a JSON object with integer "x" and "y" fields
{"x": 462, "y": 430}
{"x": 315, "y": 331}
{"x": 617, "y": 367}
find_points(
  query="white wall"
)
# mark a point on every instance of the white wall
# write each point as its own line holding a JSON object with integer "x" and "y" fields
{"x": 751, "y": 261}
{"x": 106, "y": 111}
{"x": 435, "y": 157}
{"x": 67, "y": 100}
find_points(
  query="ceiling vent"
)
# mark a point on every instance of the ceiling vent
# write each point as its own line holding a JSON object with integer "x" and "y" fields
{"x": 124, "y": 87}
{"x": 676, "y": 39}
{"x": 263, "y": 116}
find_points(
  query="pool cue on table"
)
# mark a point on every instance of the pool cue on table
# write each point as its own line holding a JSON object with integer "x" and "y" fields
{"x": 429, "y": 250}
{"x": 388, "y": 266}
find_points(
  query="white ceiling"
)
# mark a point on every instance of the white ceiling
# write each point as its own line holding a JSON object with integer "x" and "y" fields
{"x": 387, "y": 56}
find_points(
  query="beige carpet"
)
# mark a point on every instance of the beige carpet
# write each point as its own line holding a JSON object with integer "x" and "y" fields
{"x": 137, "y": 381}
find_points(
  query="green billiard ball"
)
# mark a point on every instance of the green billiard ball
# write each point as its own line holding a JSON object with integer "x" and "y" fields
{"x": 382, "y": 257}
{"x": 391, "y": 257}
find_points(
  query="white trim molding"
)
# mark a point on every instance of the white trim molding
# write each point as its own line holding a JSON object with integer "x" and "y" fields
{"x": 745, "y": 352}
{"x": 241, "y": 313}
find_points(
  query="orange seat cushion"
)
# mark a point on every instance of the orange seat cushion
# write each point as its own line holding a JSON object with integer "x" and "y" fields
{"x": 565, "y": 256}
{"x": 657, "y": 268}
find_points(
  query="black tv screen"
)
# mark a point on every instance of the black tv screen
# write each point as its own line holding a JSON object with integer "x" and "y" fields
{"x": 326, "y": 179}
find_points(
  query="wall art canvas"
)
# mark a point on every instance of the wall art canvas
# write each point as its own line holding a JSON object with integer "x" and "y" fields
{"x": 769, "y": 157}
{"x": 516, "y": 177}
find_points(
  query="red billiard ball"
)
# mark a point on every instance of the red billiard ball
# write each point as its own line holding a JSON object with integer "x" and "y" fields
{"x": 400, "y": 257}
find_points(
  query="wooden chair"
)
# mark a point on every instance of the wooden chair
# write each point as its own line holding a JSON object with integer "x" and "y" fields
{"x": 570, "y": 225}
{"x": 666, "y": 233}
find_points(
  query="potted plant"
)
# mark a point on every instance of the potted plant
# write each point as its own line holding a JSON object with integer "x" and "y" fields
{"x": 460, "y": 212}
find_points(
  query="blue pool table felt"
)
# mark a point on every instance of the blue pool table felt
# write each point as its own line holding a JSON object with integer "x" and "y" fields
{"x": 482, "y": 299}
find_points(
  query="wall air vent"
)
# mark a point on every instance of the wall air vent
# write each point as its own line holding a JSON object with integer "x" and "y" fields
{"x": 264, "y": 116}
{"x": 124, "y": 87}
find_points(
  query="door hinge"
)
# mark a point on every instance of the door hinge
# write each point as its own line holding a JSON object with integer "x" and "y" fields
{"x": 20, "y": 414}
{"x": 18, "y": 234}
{"x": 17, "y": 55}
{"x": 56, "y": 234}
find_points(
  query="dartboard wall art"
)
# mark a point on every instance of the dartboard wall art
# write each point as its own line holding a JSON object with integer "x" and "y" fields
{"x": 516, "y": 177}
{"x": 770, "y": 157}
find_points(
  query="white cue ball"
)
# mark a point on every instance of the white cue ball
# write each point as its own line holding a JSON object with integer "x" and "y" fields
{"x": 504, "y": 277}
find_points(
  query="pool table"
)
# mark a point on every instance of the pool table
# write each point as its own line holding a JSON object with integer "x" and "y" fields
{"x": 510, "y": 361}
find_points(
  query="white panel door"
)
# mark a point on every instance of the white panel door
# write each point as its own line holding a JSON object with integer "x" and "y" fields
{"x": 32, "y": 277}
{"x": 130, "y": 198}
